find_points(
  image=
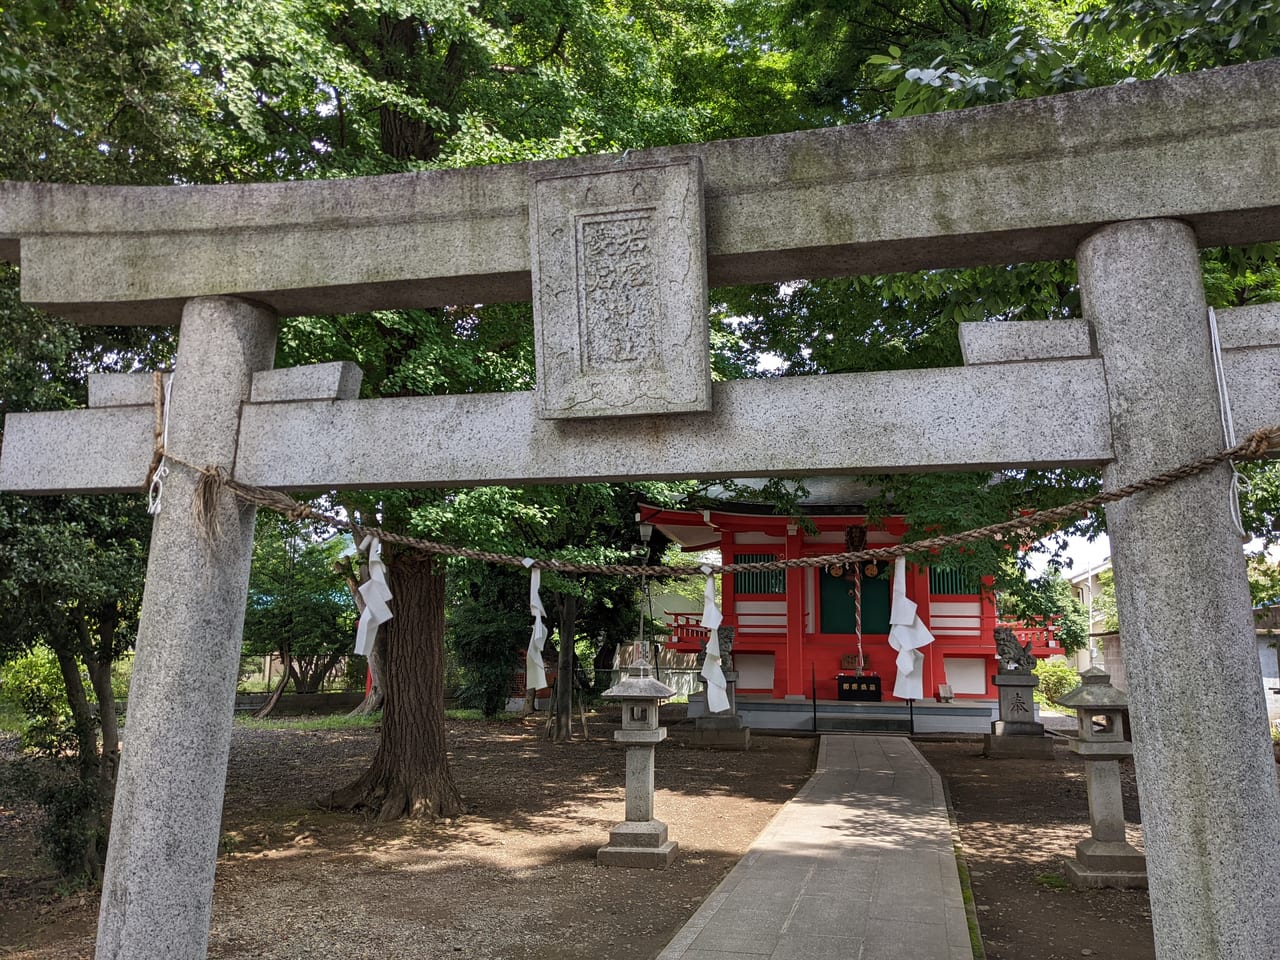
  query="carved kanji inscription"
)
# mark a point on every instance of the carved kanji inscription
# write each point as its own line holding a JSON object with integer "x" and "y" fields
{"x": 620, "y": 292}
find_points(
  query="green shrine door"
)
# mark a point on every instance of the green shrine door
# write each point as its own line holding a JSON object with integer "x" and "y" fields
{"x": 836, "y": 610}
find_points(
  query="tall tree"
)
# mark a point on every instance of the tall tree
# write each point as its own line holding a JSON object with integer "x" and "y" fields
{"x": 299, "y": 608}
{"x": 868, "y": 60}
{"x": 70, "y": 569}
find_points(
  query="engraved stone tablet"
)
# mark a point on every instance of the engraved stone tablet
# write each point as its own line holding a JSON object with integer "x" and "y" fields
{"x": 620, "y": 292}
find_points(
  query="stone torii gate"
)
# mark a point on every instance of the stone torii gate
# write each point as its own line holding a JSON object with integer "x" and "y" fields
{"x": 616, "y": 254}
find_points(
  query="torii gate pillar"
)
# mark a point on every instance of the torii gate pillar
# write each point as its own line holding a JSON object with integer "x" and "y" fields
{"x": 158, "y": 888}
{"x": 1210, "y": 808}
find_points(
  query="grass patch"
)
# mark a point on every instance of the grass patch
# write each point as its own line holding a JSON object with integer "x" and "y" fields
{"x": 1054, "y": 881}
{"x": 12, "y": 719}
{"x": 332, "y": 721}
{"x": 468, "y": 714}
{"x": 340, "y": 721}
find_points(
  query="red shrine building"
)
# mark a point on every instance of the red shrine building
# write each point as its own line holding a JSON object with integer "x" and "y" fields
{"x": 795, "y": 630}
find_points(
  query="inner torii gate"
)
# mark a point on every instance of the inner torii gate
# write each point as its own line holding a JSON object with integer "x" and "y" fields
{"x": 616, "y": 254}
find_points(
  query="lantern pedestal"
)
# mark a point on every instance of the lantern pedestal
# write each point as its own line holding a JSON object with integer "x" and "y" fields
{"x": 1017, "y": 733}
{"x": 638, "y": 844}
{"x": 640, "y": 840}
{"x": 722, "y": 731}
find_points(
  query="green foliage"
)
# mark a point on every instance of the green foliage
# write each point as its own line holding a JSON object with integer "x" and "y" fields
{"x": 1047, "y": 600}
{"x": 486, "y": 636}
{"x": 355, "y": 674}
{"x": 1264, "y": 579}
{"x": 1057, "y": 677}
{"x": 298, "y": 606}
{"x": 1172, "y": 36}
{"x": 1104, "y": 604}
{"x": 71, "y": 832}
{"x": 32, "y": 684}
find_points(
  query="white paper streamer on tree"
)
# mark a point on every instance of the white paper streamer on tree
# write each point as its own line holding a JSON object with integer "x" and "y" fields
{"x": 907, "y": 635}
{"x": 376, "y": 595}
{"x": 712, "y": 671}
{"x": 535, "y": 672}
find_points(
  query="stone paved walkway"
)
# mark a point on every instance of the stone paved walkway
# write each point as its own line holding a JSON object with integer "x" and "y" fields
{"x": 858, "y": 866}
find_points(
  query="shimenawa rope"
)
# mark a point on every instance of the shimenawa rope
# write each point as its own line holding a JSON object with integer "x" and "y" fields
{"x": 215, "y": 478}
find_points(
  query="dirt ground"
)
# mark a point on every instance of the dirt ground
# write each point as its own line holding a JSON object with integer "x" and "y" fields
{"x": 1019, "y": 819}
{"x": 515, "y": 877}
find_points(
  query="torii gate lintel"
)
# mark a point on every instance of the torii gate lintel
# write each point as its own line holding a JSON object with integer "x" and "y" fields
{"x": 1138, "y": 177}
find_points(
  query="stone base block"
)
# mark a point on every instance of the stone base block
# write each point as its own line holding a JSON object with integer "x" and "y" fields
{"x": 638, "y": 844}
{"x": 1086, "y": 878}
{"x": 1017, "y": 728}
{"x": 1021, "y": 747}
{"x": 1110, "y": 856}
{"x": 721, "y": 733}
{"x": 648, "y": 858}
{"x": 650, "y": 834}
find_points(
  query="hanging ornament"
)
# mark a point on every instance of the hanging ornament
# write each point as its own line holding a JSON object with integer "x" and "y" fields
{"x": 534, "y": 669}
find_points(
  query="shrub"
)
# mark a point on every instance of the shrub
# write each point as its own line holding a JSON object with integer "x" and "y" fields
{"x": 32, "y": 683}
{"x": 72, "y": 831}
{"x": 1057, "y": 677}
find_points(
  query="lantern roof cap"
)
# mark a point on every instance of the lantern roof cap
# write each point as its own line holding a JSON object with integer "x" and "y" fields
{"x": 1095, "y": 691}
{"x": 639, "y": 684}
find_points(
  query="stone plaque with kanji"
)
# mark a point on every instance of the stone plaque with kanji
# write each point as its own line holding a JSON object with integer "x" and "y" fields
{"x": 620, "y": 292}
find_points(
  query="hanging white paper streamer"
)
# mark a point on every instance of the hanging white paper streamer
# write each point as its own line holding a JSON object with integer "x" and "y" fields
{"x": 535, "y": 673}
{"x": 712, "y": 671}
{"x": 907, "y": 635}
{"x": 155, "y": 493}
{"x": 376, "y": 595}
{"x": 1228, "y": 426}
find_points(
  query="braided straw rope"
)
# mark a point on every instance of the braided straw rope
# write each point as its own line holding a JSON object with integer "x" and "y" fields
{"x": 1255, "y": 446}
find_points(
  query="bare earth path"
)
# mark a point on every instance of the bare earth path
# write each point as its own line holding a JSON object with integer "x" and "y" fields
{"x": 513, "y": 878}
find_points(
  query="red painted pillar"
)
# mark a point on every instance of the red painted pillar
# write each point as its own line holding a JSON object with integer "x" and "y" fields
{"x": 988, "y": 625}
{"x": 797, "y": 684}
{"x": 918, "y": 590}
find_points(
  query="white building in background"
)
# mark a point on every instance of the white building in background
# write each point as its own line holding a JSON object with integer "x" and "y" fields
{"x": 1103, "y": 649}
{"x": 1088, "y": 587}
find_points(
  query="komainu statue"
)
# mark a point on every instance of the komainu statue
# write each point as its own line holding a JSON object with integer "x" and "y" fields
{"x": 1014, "y": 656}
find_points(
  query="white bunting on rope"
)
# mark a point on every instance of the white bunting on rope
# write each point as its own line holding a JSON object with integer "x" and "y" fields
{"x": 535, "y": 672}
{"x": 907, "y": 635}
{"x": 376, "y": 595}
{"x": 712, "y": 671}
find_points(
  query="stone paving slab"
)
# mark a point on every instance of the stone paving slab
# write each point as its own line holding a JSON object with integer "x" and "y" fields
{"x": 858, "y": 866}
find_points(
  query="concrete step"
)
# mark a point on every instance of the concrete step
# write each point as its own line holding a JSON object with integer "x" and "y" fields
{"x": 863, "y": 724}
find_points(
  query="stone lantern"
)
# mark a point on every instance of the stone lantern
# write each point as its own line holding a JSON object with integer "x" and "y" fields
{"x": 1105, "y": 859}
{"x": 640, "y": 840}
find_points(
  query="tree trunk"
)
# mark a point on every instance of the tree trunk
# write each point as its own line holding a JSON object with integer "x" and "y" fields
{"x": 410, "y": 775}
{"x": 108, "y": 722}
{"x": 312, "y": 672}
{"x": 603, "y": 665}
{"x": 562, "y": 711}
{"x": 94, "y": 848}
{"x": 286, "y": 674}
{"x": 376, "y": 697}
